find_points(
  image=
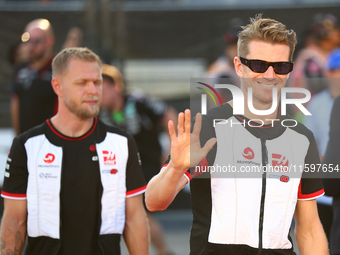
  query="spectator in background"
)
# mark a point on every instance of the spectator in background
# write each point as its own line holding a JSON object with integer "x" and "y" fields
{"x": 18, "y": 53}
{"x": 332, "y": 186}
{"x": 320, "y": 106}
{"x": 32, "y": 97}
{"x": 332, "y": 182}
{"x": 222, "y": 69}
{"x": 323, "y": 37}
{"x": 144, "y": 119}
{"x": 74, "y": 38}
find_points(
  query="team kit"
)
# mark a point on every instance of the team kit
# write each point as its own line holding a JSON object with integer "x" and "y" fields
{"x": 75, "y": 185}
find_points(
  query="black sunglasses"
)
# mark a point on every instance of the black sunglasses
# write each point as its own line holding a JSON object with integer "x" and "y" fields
{"x": 260, "y": 66}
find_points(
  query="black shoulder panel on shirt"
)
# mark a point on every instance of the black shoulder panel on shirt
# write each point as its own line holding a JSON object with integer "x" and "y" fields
{"x": 35, "y": 131}
{"x": 104, "y": 128}
{"x": 301, "y": 129}
{"x": 224, "y": 111}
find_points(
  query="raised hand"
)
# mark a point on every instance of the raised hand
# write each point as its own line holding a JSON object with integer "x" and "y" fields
{"x": 186, "y": 149}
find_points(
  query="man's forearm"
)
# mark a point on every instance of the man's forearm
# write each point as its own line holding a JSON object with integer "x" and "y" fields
{"x": 13, "y": 235}
{"x": 163, "y": 188}
{"x": 136, "y": 235}
{"x": 314, "y": 243}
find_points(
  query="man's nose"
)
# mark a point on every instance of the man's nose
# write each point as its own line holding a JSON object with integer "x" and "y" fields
{"x": 270, "y": 73}
{"x": 92, "y": 88}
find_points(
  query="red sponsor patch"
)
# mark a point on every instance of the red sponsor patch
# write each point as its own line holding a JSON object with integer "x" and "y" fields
{"x": 280, "y": 161}
{"x": 109, "y": 158}
{"x": 114, "y": 171}
{"x": 248, "y": 153}
{"x": 93, "y": 147}
{"x": 49, "y": 158}
{"x": 284, "y": 178}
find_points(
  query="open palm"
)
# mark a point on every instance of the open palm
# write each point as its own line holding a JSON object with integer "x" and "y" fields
{"x": 186, "y": 148}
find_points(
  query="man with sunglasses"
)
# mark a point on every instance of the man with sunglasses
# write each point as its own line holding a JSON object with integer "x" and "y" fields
{"x": 235, "y": 213}
{"x": 32, "y": 97}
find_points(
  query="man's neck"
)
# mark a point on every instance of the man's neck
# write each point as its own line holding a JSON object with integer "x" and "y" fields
{"x": 71, "y": 125}
{"x": 39, "y": 64}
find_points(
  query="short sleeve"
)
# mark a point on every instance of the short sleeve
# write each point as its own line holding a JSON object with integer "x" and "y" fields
{"x": 135, "y": 182}
{"x": 311, "y": 185}
{"x": 16, "y": 173}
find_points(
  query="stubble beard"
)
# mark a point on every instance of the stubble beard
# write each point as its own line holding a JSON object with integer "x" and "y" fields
{"x": 82, "y": 112}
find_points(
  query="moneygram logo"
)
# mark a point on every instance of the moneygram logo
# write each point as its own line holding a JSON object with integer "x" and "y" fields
{"x": 49, "y": 158}
{"x": 248, "y": 153}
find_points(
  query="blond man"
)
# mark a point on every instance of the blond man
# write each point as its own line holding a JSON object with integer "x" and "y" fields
{"x": 246, "y": 215}
{"x": 72, "y": 183}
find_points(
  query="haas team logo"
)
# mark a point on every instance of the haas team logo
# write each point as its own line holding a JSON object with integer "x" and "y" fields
{"x": 280, "y": 161}
{"x": 49, "y": 158}
{"x": 248, "y": 153}
{"x": 109, "y": 158}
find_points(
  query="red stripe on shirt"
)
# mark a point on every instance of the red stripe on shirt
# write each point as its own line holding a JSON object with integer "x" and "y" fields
{"x": 311, "y": 195}
{"x": 13, "y": 194}
{"x": 203, "y": 164}
{"x": 71, "y": 138}
{"x": 187, "y": 173}
{"x": 131, "y": 192}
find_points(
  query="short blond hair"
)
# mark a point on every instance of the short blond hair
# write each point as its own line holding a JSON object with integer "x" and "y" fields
{"x": 61, "y": 61}
{"x": 266, "y": 30}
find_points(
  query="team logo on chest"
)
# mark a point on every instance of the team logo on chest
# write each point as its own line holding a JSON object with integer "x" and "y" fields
{"x": 280, "y": 161}
{"x": 49, "y": 158}
{"x": 109, "y": 158}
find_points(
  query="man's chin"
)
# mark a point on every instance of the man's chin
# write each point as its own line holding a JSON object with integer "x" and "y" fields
{"x": 87, "y": 113}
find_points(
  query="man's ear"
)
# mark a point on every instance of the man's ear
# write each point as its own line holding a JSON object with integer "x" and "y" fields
{"x": 56, "y": 85}
{"x": 238, "y": 66}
